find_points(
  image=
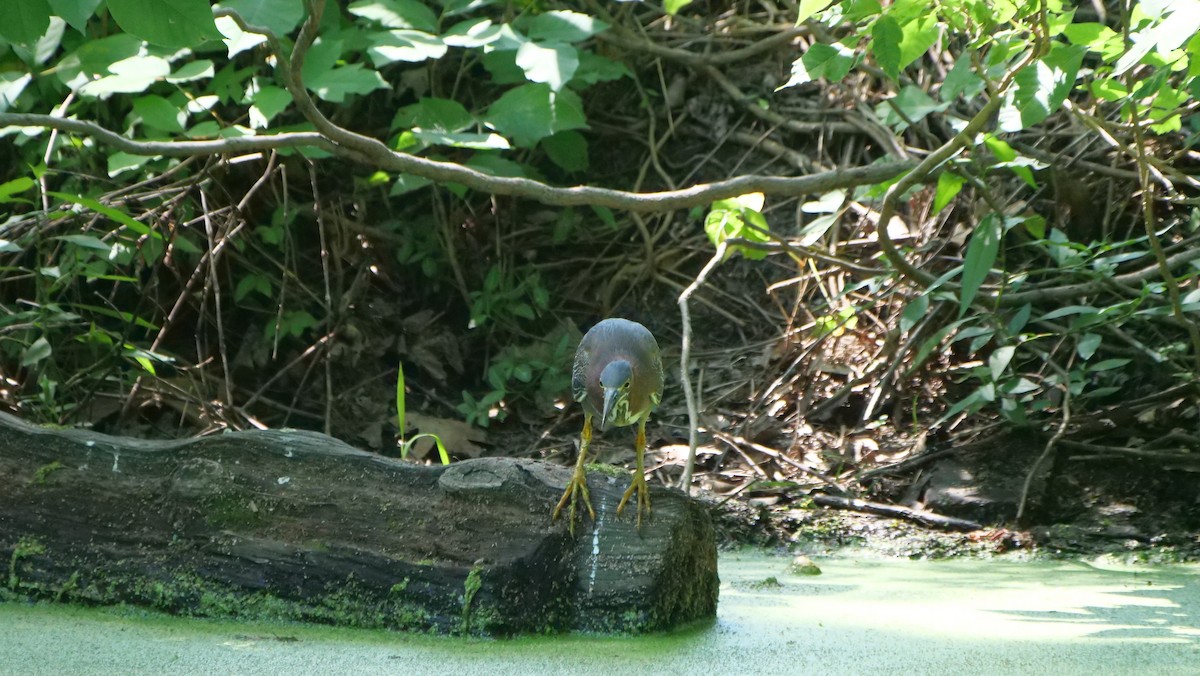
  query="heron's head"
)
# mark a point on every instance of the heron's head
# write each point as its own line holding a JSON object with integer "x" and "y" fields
{"x": 615, "y": 381}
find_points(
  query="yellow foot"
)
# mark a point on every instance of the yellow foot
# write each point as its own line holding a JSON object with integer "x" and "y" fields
{"x": 575, "y": 487}
{"x": 638, "y": 485}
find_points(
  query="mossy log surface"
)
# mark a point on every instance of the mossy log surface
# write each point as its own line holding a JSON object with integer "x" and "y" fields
{"x": 296, "y": 525}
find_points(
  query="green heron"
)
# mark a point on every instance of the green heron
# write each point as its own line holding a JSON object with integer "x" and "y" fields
{"x": 617, "y": 376}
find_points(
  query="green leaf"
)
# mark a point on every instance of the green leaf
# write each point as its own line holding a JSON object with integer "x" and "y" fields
{"x": 914, "y": 312}
{"x": 741, "y": 218}
{"x": 814, "y": 231}
{"x": 971, "y": 403}
{"x": 25, "y": 21}
{"x": 122, "y": 218}
{"x": 11, "y": 85}
{"x": 961, "y": 80}
{"x": 36, "y": 352}
{"x": 267, "y": 102}
{"x": 495, "y": 165}
{"x": 673, "y": 6}
{"x": 434, "y": 114}
{"x": 237, "y": 40}
{"x": 174, "y": 24}
{"x": 470, "y": 140}
{"x": 1107, "y": 365}
{"x": 1036, "y": 226}
{"x": 75, "y": 12}
{"x": 253, "y": 284}
{"x": 1162, "y": 36}
{"x": 532, "y": 112}
{"x": 1091, "y": 35}
{"x": 563, "y": 26}
{"x": 981, "y": 253}
{"x": 885, "y": 45}
{"x": 17, "y": 185}
{"x": 95, "y": 56}
{"x": 999, "y": 360}
{"x": 159, "y": 113}
{"x": 406, "y": 183}
{"x": 810, "y": 7}
{"x": 553, "y": 63}
{"x": 192, "y": 71}
{"x": 908, "y": 107}
{"x": 401, "y": 422}
{"x": 919, "y": 36}
{"x": 1069, "y": 310}
{"x": 1042, "y": 86}
{"x": 1020, "y": 319}
{"x": 336, "y": 84}
{"x": 1088, "y": 344}
{"x": 567, "y": 149}
{"x": 86, "y": 242}
{"x": 474, "y": 33}
{"x": 404, "y": 45}
{"x": 281, "y": 16}
{"x": 948, "y": 186}
{"x": 121, "y": 162}
{"x": 832, "y": 62}
{"x": 594, "y": 68}
{"x": 129, "y": 76}
{"x": 397, "y": 14}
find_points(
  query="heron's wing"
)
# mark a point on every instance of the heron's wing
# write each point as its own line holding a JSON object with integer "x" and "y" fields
{"x": 579, "y": 375}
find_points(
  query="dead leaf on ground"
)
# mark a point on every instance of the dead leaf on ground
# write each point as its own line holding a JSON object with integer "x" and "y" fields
{"x": 459, "y": 438}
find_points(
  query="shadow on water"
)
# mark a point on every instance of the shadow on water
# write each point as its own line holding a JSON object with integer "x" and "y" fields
{"x": 1144, "y": 605}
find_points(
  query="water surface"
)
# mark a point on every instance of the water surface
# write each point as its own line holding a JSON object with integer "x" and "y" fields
{"x": 861, "y": 616}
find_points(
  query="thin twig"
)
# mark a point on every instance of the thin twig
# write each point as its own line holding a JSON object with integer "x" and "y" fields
{"x": 685, "y": 353}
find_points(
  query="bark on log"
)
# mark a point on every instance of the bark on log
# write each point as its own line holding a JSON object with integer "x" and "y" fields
{"x": 296, "y": 525}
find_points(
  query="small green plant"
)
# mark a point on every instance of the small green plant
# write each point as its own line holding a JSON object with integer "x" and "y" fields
{"x": 26, "y": 547}
{"x": 471, "y": 587}
{"x": 738, "y": 218}
{"x": 406, "y": 446}
{"x": 43, "y": 473}
{"x": 504, "y": 300}
{"x": 537, "y": 372}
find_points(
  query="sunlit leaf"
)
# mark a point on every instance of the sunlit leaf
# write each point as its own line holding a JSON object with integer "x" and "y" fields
{"x": 563, "y": 26}
{"x": 553, "y": 63}
{"x": 174, "y": 24}
{"x": 808, "y": 8}
{"x": 999, "y": 359}
{"x": 409, "y": 46}
{"x": 532, "y": 112}
{"x": 673, "y": 6}
{"x": 885, "y": 45}
{"x": 396, "y": 13}
{"x": 948, "y": 186}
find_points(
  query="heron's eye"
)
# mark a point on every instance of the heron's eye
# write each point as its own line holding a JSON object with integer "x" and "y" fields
{"x": 625, "y": 385}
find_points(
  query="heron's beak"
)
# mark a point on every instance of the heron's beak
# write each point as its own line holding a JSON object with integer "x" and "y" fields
{"x": 610, "y": 398}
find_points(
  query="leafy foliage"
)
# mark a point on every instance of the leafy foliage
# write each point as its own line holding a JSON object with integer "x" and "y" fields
{"x": 1001, "y": 271}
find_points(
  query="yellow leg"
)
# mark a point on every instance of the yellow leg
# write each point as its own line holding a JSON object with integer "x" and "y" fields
{"x": 578, "y": 484}
{"x": 638, "y": 483}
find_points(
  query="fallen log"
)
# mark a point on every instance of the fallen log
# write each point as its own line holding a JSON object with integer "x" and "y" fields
{"x": 295, "y": 525}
